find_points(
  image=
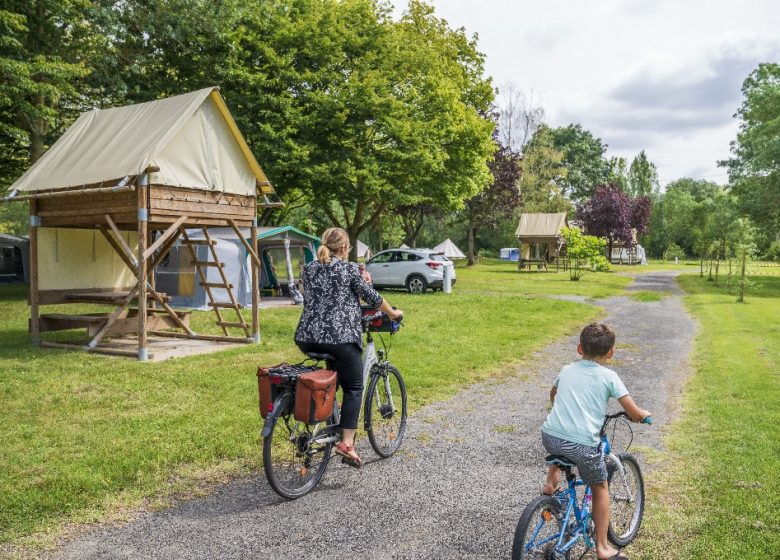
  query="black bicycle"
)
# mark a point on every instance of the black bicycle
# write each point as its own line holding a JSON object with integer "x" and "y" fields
{"x": 296, "y": 454}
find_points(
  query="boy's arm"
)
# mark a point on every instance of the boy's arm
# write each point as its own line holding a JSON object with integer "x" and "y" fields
{"x": 637, "y": 414}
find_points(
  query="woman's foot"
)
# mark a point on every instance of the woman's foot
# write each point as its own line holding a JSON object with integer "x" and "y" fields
{"x": 348, "y": 455}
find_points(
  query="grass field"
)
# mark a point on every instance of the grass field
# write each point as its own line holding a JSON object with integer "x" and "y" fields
{"x": 714, "y": 492}
{"x": 88, "y": 437}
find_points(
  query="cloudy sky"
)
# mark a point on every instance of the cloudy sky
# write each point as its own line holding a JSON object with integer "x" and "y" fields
{"x": 658, "y": 75}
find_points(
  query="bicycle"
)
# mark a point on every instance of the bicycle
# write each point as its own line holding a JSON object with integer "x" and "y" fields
{"x": 560, "y": 526}
{"x": 296, "y": 454}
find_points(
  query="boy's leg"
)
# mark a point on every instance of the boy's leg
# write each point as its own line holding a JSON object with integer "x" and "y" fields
{"x": 601, "y": 520}
{"x": 553, "y": 480}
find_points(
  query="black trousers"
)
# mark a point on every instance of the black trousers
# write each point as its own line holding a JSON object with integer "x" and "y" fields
{"x": 349, "y": 368}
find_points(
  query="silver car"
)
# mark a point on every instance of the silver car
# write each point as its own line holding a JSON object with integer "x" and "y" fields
{"x": 417, "y": 270}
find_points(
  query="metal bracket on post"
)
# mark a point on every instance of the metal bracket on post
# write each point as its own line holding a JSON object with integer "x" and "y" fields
{"x": 143, "y": 354}
{"x": 35, "y": 221}
{"x": 143, "y": 215}
{"x": 143, "y": 180}
{"x": 256, "y": 338}
{"x": 254, "y": 221}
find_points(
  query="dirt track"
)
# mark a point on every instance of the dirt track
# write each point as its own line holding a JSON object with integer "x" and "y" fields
{"x": 454, "y": 491}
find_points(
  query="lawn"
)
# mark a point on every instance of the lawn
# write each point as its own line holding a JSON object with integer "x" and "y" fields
{"x": 714, "y": 492}
{"x": 88, "y": 437}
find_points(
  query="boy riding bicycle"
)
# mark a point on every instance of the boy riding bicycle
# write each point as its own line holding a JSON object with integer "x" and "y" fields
{"x": 579, "y": 397}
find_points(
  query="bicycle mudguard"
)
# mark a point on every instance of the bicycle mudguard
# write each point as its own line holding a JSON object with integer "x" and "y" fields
{"x": 281, "y": 402}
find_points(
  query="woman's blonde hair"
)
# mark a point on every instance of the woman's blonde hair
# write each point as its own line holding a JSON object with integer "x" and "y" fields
{"x": 333, "y": 241}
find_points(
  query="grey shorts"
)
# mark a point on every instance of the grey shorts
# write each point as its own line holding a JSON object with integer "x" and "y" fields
{"x": 589, "y": 460}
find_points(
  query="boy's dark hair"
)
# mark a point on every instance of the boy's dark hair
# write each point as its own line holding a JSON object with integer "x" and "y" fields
{"x": 597, "y": 340}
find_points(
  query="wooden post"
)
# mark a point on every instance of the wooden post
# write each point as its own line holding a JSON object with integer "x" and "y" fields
{"x": 35, "y": 332}
{"x": 255, "y": 282}
{"x": 143, "y": 223}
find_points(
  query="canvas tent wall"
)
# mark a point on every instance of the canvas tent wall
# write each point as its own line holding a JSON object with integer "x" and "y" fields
{"x": 449, "y": 249}
{"x": 539, "y": 235}
{"x": 363, "y": 251}
{"x": 282, "y": 251}
{"x": 509, "y": 254}
{"x": 115, "y": 178}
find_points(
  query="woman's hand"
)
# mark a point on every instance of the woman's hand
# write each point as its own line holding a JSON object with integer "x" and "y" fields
{"x": 395, "y": 314}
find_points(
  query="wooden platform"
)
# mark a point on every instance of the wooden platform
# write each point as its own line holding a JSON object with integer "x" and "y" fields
{"x": 160, "y": 349}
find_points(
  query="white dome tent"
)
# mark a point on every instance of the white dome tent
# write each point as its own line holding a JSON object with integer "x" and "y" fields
{"x": 449, "y": 249}
{"x": 363, "y": 251}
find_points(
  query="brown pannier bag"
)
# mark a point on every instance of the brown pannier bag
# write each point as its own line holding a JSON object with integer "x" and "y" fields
{"x": 314, "y": 396}
{"x": 264, "y": 387}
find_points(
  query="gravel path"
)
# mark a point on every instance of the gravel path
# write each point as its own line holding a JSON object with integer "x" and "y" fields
{"x": 456, "y": 488}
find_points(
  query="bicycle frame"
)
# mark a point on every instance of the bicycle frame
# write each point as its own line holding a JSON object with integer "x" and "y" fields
{"x": 370, "y": 360}
{"x": 578, "y": 528}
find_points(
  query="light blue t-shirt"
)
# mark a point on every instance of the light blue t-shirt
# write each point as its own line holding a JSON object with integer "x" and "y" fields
{"x": 584, "y": 389}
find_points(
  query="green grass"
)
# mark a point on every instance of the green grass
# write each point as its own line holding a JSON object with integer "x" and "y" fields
{"x": 714, "y": 492}
{"x": 500, "y": 277}
{"x": 648, "y": 295}
{"x": 88, "y": 437}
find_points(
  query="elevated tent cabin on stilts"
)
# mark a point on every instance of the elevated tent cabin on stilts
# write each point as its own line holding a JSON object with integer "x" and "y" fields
{"x": 111, "y": 197}
{"x": 540, "y": 240}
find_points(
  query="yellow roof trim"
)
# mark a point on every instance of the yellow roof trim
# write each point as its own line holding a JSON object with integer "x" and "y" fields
{"x": 256, "y": 169}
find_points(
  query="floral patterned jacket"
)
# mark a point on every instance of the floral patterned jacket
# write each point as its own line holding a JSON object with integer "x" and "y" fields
{"x": 331, "y": 303}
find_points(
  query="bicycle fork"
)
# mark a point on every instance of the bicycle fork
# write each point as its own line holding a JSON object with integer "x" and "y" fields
{"x": 622, "y": 470}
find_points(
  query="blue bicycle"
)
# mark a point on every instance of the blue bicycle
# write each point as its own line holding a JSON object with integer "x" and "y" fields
{"x": 560, "y": 526}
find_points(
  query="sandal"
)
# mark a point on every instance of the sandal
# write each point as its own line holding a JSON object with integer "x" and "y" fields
{"x": 348, "y": 455}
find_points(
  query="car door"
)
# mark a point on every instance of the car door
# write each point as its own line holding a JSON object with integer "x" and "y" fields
{"x": 379, "y": 268}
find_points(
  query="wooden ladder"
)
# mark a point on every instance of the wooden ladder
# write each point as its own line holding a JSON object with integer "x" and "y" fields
{"x": 202, "y": 267}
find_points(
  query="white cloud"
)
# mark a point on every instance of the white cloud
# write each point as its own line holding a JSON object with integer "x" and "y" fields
{"x": 659, "y": 75}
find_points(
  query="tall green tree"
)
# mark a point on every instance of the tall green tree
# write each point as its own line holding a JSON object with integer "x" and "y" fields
{"x": 583, "y": 157}
{"x": 643, "y": 177}
{"x": 754, "y": 168}
{"x": 48, "y": 49}
{"x": 543, "y": 174}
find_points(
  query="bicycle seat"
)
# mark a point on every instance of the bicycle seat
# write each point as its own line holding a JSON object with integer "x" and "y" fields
{"x": 319, "y": 356}
{"x": 559, "y": 461}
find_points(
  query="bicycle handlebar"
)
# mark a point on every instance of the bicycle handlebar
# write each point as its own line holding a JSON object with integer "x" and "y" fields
{"x": 646, "y": 420}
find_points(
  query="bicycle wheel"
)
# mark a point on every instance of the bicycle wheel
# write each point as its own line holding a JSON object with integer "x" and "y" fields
{"x": 627, "y": 500}
{"x": 295, "y": 455}
{"x": 385, "y": 410}
{"x": 538, "y": 529}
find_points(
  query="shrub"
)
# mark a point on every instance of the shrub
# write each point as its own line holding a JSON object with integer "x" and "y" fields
{"x": 585, "y": 252}
{"x": 673, "y": 251}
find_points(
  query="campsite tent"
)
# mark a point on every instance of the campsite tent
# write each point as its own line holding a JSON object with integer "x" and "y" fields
{"x": 363, "y": 251}
{"x": 286, "y": 244}
{"x": 404, "y": 246}
{"x": 540, "y": 238}
{"x": 449, "y": 249}
{"x": 509, "y": 254}
{"x": 14, "y": 258}
{"x": 100, "y": 193}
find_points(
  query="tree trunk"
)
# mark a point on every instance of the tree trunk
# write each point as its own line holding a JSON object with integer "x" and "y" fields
{"x": 701, "y": 266}
{"x": 472, "y": 234}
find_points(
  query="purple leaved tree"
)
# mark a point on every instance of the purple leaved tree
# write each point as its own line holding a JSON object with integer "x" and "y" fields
{"x": 612, "y": 214}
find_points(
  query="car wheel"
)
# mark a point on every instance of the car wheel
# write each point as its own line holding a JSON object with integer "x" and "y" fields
{"x": 416, "y": 284}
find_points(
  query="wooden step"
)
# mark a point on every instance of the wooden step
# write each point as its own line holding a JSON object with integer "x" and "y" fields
{"x": 199, "y": 242}
{"x": 215, "y": 285}
{"x": 225, "y": 304}
{"x": 208, "y": 263}
{"x": 232, "y": 325}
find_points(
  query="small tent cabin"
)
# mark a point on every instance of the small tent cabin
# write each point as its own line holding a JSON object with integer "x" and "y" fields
{"x": 14, "y": 259}
{"x": 178, "y": 277}
{"x": 404, "y": 246}
{"x": 449, "y": 249}
{"x": 540, "y": 240}
{"x": 110, "y": 199}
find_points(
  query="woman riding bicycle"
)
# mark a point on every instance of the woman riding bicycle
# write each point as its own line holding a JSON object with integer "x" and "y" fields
{"x": 330, "y": 324}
